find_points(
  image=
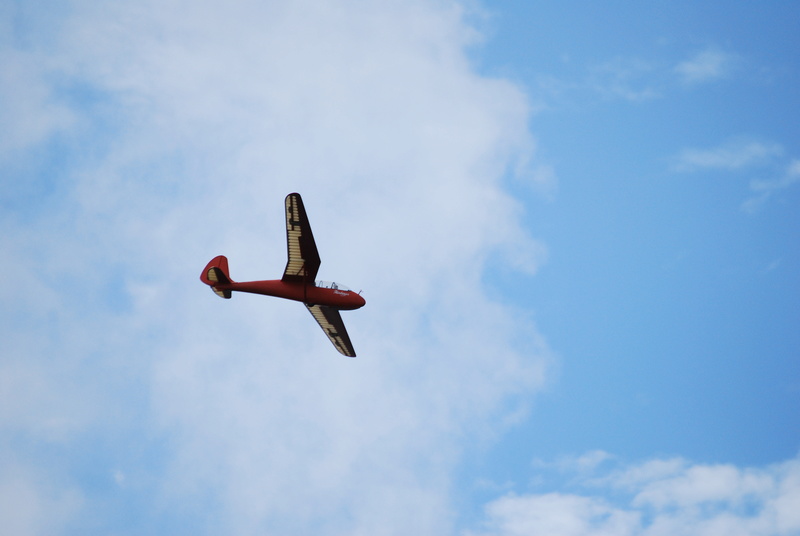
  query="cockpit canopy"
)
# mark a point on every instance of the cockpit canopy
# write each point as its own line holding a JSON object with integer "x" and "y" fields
{"x": 332, "y": 285}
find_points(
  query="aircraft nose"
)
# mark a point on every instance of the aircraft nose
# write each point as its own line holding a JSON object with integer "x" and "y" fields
{"x": 360, "y": 301}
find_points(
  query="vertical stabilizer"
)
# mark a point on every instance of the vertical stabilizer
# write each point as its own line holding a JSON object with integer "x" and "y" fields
{"x": 215, "y": 275}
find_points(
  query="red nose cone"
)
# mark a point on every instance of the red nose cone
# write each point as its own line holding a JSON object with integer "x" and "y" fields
{"x": 359, "y": 301}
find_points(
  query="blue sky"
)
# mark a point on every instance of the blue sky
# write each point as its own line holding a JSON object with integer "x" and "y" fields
{"x": 576, "y": 229}
{"x": 671, "y": 280}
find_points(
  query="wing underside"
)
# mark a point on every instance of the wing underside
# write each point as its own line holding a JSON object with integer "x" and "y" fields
{"x": 331, "y": 323}
{"x": 302, "y": 267}
{"x": 304, "y": 261}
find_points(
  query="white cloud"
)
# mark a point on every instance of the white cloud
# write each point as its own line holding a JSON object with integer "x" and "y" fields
{"x": 584, "y": 464}
{"x": 195, "y": 120}
{"x": 709, "y": 64}
{"x": 733, "y": 155}
{"x": 701, "y": 484}
{"x": 660, "y": 497}
{"x": 764, "y": 189}
{"x": 745, "y": 155}
{"x": 557, "y": 514}
{"x": 627, "y": 78}
{"x": 31, "y": 502}
{"x": 29, "y": 112}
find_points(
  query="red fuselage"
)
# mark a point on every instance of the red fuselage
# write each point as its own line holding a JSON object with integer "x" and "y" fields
{"x": 310, "y": 294}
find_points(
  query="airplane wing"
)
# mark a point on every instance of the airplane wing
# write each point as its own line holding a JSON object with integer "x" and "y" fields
{"x": 331, "y": 323}
{"x": 304, "y": 260}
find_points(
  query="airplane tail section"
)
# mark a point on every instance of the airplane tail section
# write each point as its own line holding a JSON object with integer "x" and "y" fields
{"x": 215, "y": 275}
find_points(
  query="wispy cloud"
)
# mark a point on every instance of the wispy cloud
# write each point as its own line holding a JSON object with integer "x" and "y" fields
{"x": 583, "y": 464}
{"x": 709, "y": 64}
{"x": 733, "y": 155}
{"x": 627, "y": 78}
{"x": 764, "y": 189}
{"x": 661, "y": 496}
{"x": 635, "y": 78}
{"x": 745, "y": 156}
{"x": 36, "y": 114}
{"x": 33, "y": 502}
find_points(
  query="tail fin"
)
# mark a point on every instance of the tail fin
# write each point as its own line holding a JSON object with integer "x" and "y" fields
{"x": 215, "y": 275}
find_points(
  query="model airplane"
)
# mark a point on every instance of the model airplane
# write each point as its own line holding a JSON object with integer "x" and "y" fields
{"x": 323, "y": 299}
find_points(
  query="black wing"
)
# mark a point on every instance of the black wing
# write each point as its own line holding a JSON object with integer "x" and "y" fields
{"x": 304, "y": 260}
{"x": 331, "y": 323}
